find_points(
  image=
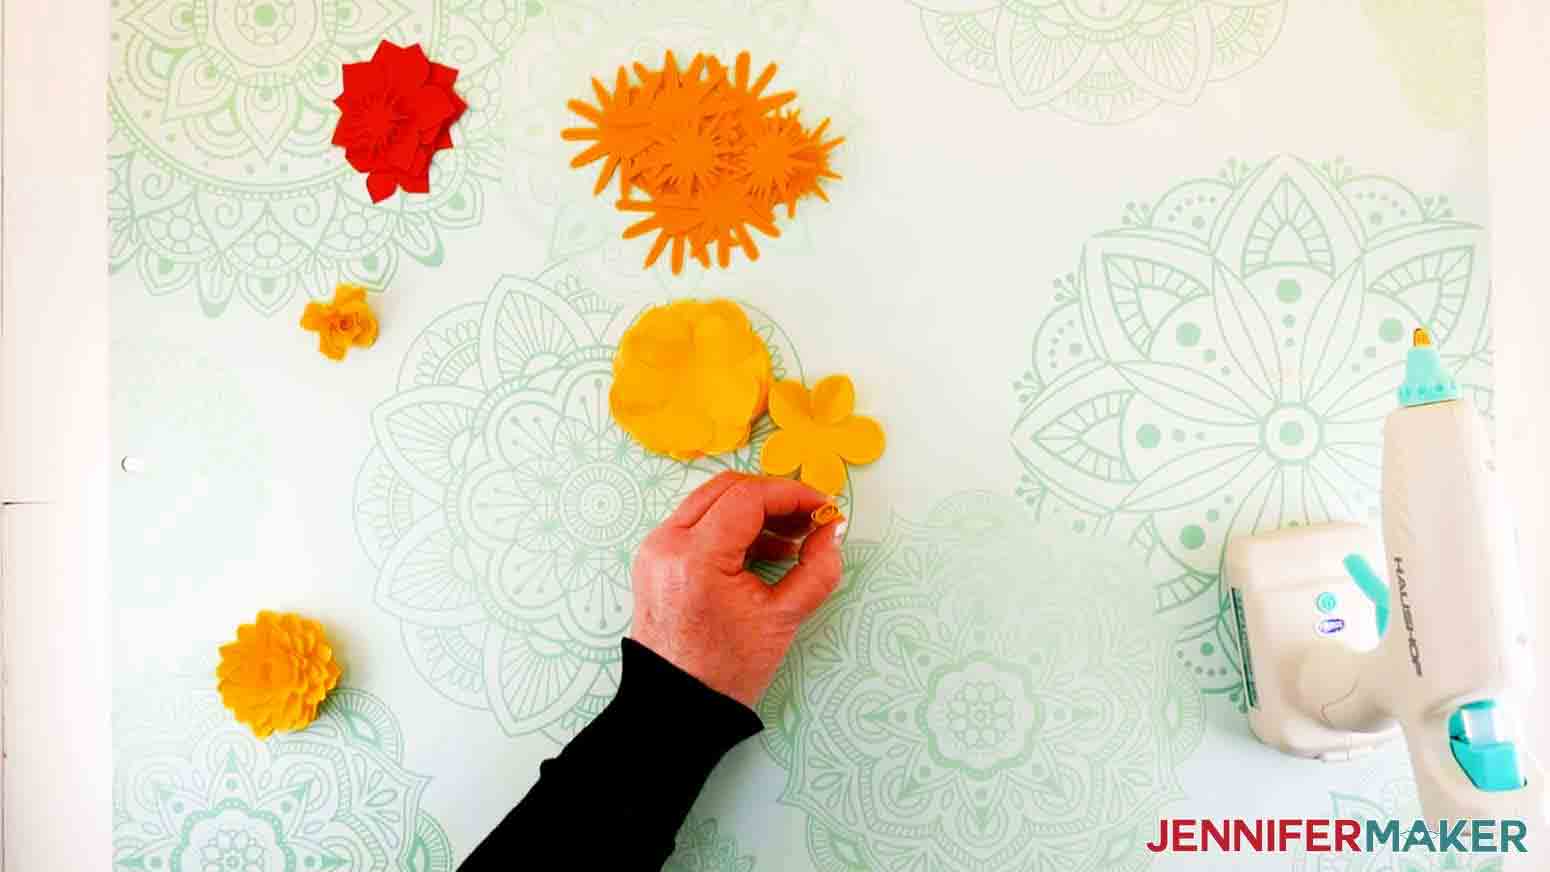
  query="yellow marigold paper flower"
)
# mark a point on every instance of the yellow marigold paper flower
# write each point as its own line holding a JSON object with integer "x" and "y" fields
{"x": 277, "y": 672}
{"x": 819, "y": 433}
{"x": 689, "y": 378}
{"x": 346, "y": 321}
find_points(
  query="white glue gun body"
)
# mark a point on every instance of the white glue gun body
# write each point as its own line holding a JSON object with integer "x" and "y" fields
{"x": 1441, "y": 647}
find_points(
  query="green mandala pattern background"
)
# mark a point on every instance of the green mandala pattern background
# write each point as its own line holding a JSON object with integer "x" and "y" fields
{"x": 196, "y": 504}
{"x": 702, "y": 847}
{"x": 222, "y": 175}
{"x": 982, "y": 694}
{"x": 1222, "y": 362}
{"x": 1438, "y": 56}
{"x": 1388, "y": 797}
{"x": 193, "y": 791}
{"x": 1101, "y": 61}
{"x": 502, "y": 506}
{"x": 575, "y": 41}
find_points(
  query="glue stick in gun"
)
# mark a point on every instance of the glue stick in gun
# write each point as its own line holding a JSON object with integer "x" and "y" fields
{"x": 1455, "y": 646}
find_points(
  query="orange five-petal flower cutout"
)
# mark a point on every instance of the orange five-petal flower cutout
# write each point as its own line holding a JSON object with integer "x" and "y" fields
{"x": 819, "y": 433}
{"x": 346, "y": 321}
{"x": 277, "y": 673}
{"x": 689, "y": 378}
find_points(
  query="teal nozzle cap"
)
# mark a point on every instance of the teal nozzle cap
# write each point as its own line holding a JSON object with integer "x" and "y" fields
{"x": 1426, "y": 379}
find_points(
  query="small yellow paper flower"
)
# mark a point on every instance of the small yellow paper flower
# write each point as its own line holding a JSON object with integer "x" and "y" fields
{"x": 689, "y": 378}
{"x": 819, "y": 433}
{"x": 347, "y": 321}
{"x": 277, "y": 672}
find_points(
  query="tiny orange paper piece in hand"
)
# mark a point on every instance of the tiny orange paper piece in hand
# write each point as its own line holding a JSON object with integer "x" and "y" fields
{"x": 819, "y": 433}
{"x": 346, "y": 321}
{"x": 689, "y": 379}
{"x": 277, "y": 672}
{"x": 827, "y": 513}
{"x": 713, "y": 154}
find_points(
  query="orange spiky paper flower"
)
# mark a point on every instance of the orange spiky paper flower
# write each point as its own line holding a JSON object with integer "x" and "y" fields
{"x": 713, "y": 154}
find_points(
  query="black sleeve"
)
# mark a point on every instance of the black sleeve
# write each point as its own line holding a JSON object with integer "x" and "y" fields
{"x": 621, "y": 789}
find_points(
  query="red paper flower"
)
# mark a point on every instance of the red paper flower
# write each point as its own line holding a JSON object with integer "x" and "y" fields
{"x": 396, "y": 110}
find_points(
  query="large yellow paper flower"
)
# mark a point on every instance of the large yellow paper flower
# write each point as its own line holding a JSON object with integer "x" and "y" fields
{"x": 819, "y": 433}
{"x": 277, "y": 672}
{"x": 689, "y": 378}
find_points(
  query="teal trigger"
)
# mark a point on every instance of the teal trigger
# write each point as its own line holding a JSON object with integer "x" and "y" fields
{"x": 1490, "y": 763}
{"x": 1371, "y": 586}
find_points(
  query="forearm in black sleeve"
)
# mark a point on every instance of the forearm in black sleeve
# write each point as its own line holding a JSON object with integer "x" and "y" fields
{"x": 617, "y": 794}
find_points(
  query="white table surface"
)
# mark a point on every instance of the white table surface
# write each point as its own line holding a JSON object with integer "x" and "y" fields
{"x": 954, "y": 267}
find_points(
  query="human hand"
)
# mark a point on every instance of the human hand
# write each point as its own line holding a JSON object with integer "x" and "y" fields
{"x": 696, "y": 603}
